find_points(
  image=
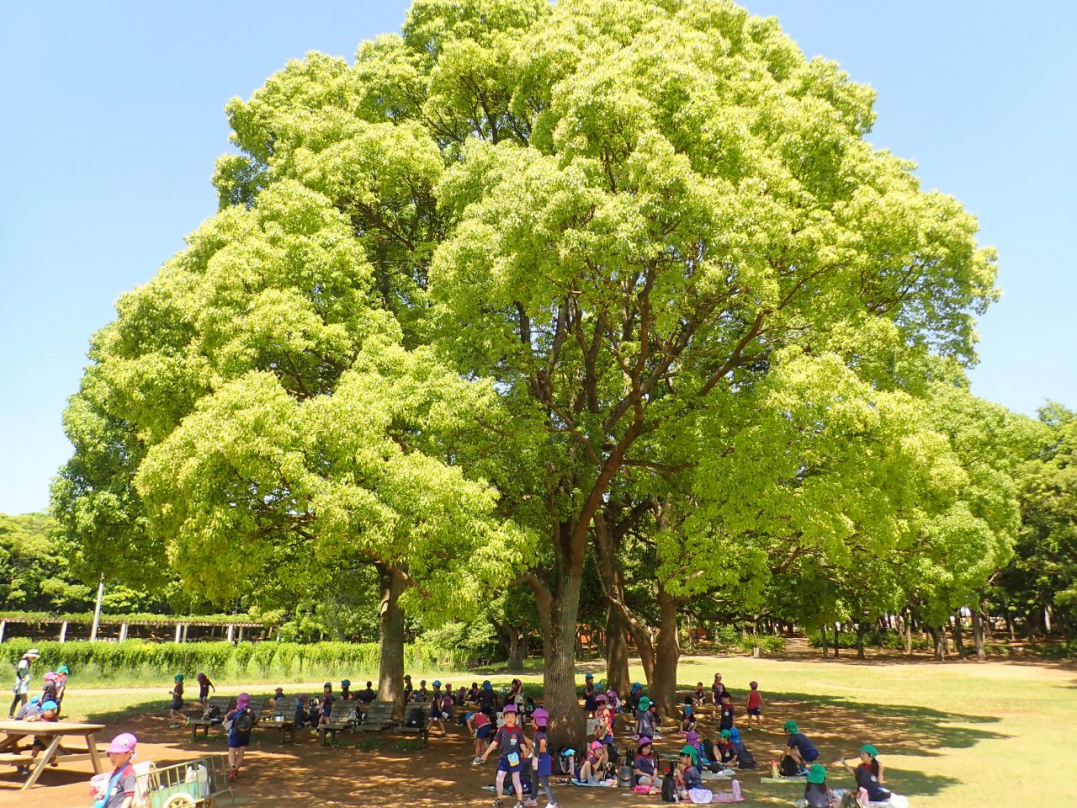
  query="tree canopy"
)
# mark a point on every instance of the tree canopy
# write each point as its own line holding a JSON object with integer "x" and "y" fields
{"x": 525, "y": 274}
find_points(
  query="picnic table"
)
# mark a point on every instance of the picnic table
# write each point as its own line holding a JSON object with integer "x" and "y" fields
{"x": 53, "y": 732}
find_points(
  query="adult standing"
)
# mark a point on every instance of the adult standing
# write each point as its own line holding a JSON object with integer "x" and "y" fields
{"x": 22, "y": 680}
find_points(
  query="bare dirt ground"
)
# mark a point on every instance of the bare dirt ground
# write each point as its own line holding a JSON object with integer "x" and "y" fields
{"x": 842, "y": 703}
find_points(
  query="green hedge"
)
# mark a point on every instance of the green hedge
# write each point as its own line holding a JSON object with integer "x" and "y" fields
{"x": 139, "y": 661}
{"x": 87, "y": 617}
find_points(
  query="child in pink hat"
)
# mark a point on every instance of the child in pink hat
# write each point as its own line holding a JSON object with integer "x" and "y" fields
{"x": 120, "y": 790}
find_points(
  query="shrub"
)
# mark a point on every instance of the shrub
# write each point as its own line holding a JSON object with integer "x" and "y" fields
{"x": 140, "y": 661}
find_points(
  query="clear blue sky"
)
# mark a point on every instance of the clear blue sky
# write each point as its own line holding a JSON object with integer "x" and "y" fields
{"x": 112, "y": 118}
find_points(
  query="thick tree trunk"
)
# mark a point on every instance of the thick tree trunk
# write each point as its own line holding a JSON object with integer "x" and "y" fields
{"x": 664, "y": 685}
{"x": 617, "y": 677}
{"x": 837, "y": 640}
{"x": 908, "y": 634}
{"x": 391, "y": 633}
{"x": 938, "y": 638}
{"x": 957, "y": 631}
{"x": 860, "y": 641}
{"x": 515, "y": 661}
{"x": 558, "y": 609}
{"x": 822, "y": 636}
{"x": 978, "y": 635}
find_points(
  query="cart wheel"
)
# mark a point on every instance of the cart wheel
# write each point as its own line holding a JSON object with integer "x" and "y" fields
{"x": 181, "y": 801}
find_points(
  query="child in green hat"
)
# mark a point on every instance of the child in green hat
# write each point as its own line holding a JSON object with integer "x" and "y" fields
{"x": 816, "y": 794}
{"x": 176, "y": 712}
{"x": 645, "y": 724}
{"x": 687, "y": 775}
{"x": 869, "y": 774}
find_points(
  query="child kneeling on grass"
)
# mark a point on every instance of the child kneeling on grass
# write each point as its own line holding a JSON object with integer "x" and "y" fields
{"x": 511, "y": 742}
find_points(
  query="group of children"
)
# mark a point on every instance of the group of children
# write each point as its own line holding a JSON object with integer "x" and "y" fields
{"x": 43, "y": 706}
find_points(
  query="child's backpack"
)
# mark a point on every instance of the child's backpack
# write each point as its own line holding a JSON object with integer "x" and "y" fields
{"x": 211, "y": 713}
{"x": 625, "y": 776}
{"x": 244, "y": 721}
{"x": 669, "y": 788}
{"x": 415, "y": 718}
{"x": 850, "y": 800}
{"x": 788, "y": 767}
{"x": 745, "y": 759}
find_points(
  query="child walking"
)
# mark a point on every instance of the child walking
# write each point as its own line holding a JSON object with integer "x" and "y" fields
{"x": 204, "y": 686}
{"x": 511, "y": 742}
{"x": 176, "y": 712}
{"x": 240, "y": 723}
{"x": 755, "y": 707}
{"x": 544, "y": 769}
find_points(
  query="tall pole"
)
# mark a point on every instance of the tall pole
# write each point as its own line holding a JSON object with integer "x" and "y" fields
{"x": 97, "y": 609}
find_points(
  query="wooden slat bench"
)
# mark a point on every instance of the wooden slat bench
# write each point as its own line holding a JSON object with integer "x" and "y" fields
{"x": 377, "y": 717}
{"x": 222, "y": 703}
{"x": 423, "y": 730}
{"x": 285, "y": 724}
{"x": 342, "y": 716}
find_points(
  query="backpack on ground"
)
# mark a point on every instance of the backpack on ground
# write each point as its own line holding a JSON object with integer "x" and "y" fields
{"x": 788, "y": 767}
{"x": 415, "y": 718}
{"x": 669, "y": 788}
{"x": 211, "y": 713}
{"x": 745, "y": 759}
{"x": 850, "y": 799}
{"x": 244, "y": 721}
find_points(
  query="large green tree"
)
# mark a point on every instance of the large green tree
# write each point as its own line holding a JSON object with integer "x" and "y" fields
{"x": 693, "y": 201}
{"x": 599, "y": 226}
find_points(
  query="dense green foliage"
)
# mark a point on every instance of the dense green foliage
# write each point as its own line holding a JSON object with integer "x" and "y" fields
{"x": 612, "y": 300}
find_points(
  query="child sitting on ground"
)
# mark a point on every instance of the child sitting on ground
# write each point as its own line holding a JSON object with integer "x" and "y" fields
{"x": 816, "y": 793}
{"x": 474, "y": 693}
{"x": 689, "y": 722}
{"x": 645, "y": 765}
{"x": 593, "y": 767}
{"x": 687, "y": 775}
{"x": 699, "y": 695}
{"x": 176, "y": 711}
{"x": 645, "y": 723}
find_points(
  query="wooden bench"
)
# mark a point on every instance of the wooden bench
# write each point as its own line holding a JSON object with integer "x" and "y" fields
{"x": 377, "y": 717}
{"x": 342, "y": 715}
{"x": 423, "y": 730}
{"x": 223, "y": 704}
{"x": 285, "y": 708}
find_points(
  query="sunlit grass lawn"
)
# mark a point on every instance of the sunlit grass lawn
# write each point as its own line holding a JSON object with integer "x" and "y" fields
{"x": 957, "y": 735}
